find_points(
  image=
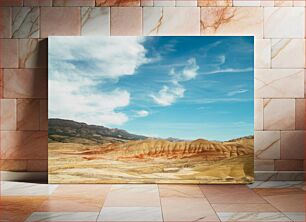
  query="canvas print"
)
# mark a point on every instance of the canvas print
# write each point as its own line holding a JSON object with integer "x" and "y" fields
{"x": 151, "y": 109}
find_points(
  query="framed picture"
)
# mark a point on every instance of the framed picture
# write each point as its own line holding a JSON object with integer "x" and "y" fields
{"x": 151, "y": 109}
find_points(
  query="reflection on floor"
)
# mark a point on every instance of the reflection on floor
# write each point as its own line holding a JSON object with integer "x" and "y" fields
{"x": 261, "y": 201}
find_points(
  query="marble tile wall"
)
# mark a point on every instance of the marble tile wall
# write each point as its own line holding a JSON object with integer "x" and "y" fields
{"x": 278, "y": 27}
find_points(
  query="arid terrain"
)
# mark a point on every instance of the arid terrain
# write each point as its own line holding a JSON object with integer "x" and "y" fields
{"x": 83, "y": 154}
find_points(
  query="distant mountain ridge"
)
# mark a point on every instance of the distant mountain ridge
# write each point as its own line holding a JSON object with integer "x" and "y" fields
{"x": 69, "y": 131}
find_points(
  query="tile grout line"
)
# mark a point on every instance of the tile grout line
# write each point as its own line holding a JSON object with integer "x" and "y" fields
{"x": 160, "y": 203}
{"x": 209, "y": 203}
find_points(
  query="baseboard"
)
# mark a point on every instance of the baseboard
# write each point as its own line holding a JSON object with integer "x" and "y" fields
{"x": 259, "y": 176}
{"x": 279, "y": 175}
{"x": 40, "y": 177}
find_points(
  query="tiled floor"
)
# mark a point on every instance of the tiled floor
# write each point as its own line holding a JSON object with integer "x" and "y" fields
{"x": 268, "y": 201}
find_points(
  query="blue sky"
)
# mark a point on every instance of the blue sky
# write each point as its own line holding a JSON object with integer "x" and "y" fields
{"x": 182, "y": 87}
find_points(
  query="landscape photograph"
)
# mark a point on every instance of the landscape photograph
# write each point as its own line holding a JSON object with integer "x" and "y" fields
{"x": 151, "y": 109}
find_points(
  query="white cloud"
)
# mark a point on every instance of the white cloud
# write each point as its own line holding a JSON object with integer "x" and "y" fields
{"x": 222, "y": 59}
{"x": 78, "y": 69}
{"x": 228, "y": 70}
{"x": 235, "y": 92}
{"x": 170, "y": 93}
{"x": 142, "y": 113}
{"x": 190, "y": 71}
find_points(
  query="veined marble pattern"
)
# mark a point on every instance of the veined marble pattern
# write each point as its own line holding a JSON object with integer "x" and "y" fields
{"x": 26, "y": 189}
{"x": 253, "y": 216}
{"x": 273, "y": 83}
{"x": 278, "y": 22}
{"x": 130, "y": 214}
{"x": 277, "y": 184}
{"x": 220, "y": 3}
{"x": 25, "y": 22}
{"x": 95, "y": 21}
{"x": 171, "y": 21}
{"x": 267, "y": 144}
{"x": 32, "y": 53}
{"x": 63, "y": 216}
{"x": 232, "y": 21}
{"x": 265, "y": 201}
{"x": 296, "y": 216}
{"x": 279, "y": 114}
{"x": 282, "y": 49}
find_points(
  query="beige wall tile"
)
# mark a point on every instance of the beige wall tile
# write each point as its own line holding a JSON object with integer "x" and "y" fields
{"x": 146, "y": 2}
{"x": 300, "y": 114}
{"x": 284, "y": 22}
{"x": 8, "y": 53}
{"x": 264, "y": 165}
{"x": 1, "y": 83}
{"x": 292, "y": 145}
{"x": 289, "y": 165}
{"x": 73, "y": 2}
{"x": 186, "y": 3}
{"x": 171, "y": 21}
{"x": 266, "y": 3}
{"x": 246, "y": 3}
{"x": 276, "y": 83}
{"x": 37, "y": 2}
{"x": 25, "y": 83}
{"x": 8, "y": 114}
{"x": 279, "y": 114}
{"x": 33, "y": 53}
{"x": 162, "y": 3}
{"x": 51, "y": 17}
{"x": 219, "y": 3}
{"x": 28, "y": 114}
{"x": 267, "y": 145}
{"x": 43, "y": 116}
{"x": 5, "y": 22}
{"x": 258, "y": 114}
{"x": 284, "y": 50}
{"x": 232, "y": 21}
{"x": 283, "y": 3}
{"x": 4, "y": 3}
{"x": 95, "y": 21}
{"x": 262, "y": 53}
{"x": 25, "y": 22}
{"x": 126, "y": 21}
{"x": 299, "y": 3}
{"x": 24, "y": 144}
{"x": 37, "y": 165}
{"x": 13, "y": 165}
{"x": 117, "y": 3}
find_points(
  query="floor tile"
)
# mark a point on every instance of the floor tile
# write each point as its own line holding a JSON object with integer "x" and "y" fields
{"x": 295, "y": 216}
{"x": 14, "y": 208}
{"x": 251, "y": 216}
{"x": 130, "y": 214}
{"x": 188, "y": 191}
{"x": 187, "y": 209}
{"x": 284, "y": 199}
{"x": 96, "y": 191}
{"x": 276, "y": 184}
{"x": 133, "y": 196}
{"x": 63, "y": 216}
{"x": 9, "y": 188}
{"x": 230, "y": 194}
{"x": 262, "y": 207}
{"x": 71, "y": 204}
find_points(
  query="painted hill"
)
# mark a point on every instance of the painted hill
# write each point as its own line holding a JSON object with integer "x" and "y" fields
{"x": 68, "y": 131}
{"x": 154, "y": 148}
